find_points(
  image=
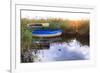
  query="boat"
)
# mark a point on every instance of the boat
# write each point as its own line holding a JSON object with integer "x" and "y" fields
{"x": 46, "y": 33}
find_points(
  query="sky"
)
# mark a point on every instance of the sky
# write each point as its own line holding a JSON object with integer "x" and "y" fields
{"x": 45, "y": 15}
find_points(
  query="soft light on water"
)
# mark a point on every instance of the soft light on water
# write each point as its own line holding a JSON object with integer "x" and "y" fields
{"x": 64, "y": 51}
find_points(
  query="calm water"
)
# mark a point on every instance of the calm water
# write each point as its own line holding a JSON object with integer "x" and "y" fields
{"x": 72, "y": 50}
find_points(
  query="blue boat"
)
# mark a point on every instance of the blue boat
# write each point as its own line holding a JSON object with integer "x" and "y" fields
{"x": 46, "y": 33}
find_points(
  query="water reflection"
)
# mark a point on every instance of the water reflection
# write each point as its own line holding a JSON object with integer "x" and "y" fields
{"x": 61, "y": 51}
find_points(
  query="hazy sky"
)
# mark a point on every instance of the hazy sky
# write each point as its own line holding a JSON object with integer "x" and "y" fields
{"x": 45, "y": 15}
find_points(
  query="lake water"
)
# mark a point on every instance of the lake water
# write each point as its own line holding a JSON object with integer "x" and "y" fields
{"x": 63, "y": 51}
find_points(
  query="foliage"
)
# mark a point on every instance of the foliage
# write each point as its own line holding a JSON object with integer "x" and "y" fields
{"x": 26, "y": 36}
{"x": 68, "y": 26}
{"x": 79, "y": 26}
